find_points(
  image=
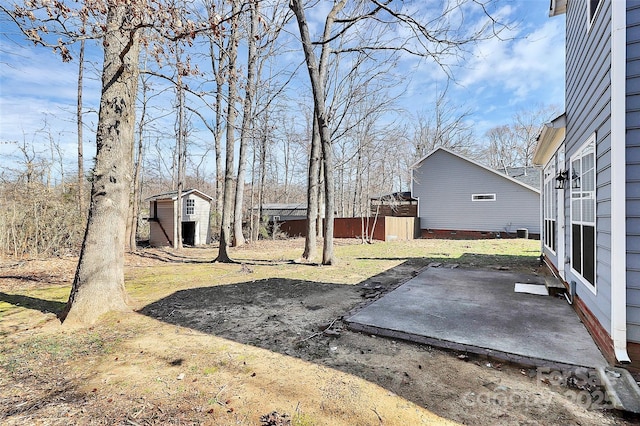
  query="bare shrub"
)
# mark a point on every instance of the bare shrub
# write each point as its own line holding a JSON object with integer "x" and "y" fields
{"x": 39, "y": 221}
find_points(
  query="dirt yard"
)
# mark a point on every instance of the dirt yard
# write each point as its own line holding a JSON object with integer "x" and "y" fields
{"x": 261, "y": 342}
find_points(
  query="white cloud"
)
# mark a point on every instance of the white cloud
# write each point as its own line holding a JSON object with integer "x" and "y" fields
{"x": 521, "y": 66}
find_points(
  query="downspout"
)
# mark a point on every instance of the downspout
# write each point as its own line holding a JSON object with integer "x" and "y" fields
{"x": 618, "y": 181}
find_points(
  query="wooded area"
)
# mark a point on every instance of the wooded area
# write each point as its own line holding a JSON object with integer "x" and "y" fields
{"x": 209, "y": 95}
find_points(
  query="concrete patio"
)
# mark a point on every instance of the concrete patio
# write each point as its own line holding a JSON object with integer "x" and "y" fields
{"x": 478, "y": 311}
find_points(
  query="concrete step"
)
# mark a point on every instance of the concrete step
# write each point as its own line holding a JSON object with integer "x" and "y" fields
{"x": 622, "y": 390}
{"x": 554, "y": 285}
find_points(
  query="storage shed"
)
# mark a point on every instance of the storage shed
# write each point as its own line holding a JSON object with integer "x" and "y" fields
{"x": 196, "y": 209}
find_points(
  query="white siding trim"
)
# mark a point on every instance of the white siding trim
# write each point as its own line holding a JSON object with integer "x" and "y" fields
{"x": 561, "y": 212}
{"x": 483, "y": 197}
{"x": 591, "y": 17}
{"x": 618, "y": 180}
{"x": 578, "y": 156}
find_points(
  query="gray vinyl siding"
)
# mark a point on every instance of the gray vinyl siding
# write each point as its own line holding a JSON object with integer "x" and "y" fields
{"x": 633, "y": 171}
{"x": 588, "y": 98}
{"x": 445, "y": 183}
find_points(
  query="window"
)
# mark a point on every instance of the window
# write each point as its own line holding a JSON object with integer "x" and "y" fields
{"x": 483, "y": 197}
{"x": 191, "y": 206}
{"x": 593, "y": 6}
{"x": 583, "y": 212}
{"x": 550, "y": 202}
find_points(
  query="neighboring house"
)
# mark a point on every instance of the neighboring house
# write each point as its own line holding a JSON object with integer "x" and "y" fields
{"x": 196, "y": 209}
{"x": 460, "y": 197}
{"x": 591, "y": 160}
{"x": 280, "y": 212}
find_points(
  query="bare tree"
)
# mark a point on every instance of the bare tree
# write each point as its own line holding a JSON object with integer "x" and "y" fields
{"x": 501, "y": 151}
{"x": 96, "y": 288}
{"x": 318, "y": 89}
{"x": 98, "y": 285}
{"x": 232, "y": 113}
{"x": 247, "y": 120}
{"x": 437, "y": 33}
{"x": 445, "y": 125}
{"x": 513, "y": 144}
{"x": 81, "y": 206}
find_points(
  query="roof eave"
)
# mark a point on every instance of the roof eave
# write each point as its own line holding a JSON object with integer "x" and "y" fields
{"x": 557, "y": 7}
{"x": 549, "y": 140}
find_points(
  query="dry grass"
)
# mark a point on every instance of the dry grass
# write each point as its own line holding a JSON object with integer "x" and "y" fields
{"x": 136, "y": 369}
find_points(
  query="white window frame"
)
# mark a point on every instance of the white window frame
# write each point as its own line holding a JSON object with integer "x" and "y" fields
{"x": 580, "y": 195}
{"x": 190, "y": 206}
{"x": 550, "y": 207}
{"x": 481, "y": 197}
{"x": 592, "y": 13}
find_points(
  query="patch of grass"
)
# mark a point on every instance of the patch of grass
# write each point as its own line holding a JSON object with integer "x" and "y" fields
{"x": 46, "y": 350}
{"x": 208, "y": 371}
{"x": 301, "y": 419}
{"x": 356, "y": 263}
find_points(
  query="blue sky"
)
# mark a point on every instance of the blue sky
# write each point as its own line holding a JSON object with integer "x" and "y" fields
{"x": 497, "y": 79}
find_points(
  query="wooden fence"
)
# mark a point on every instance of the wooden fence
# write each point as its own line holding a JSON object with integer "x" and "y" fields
{"x": 387, "y": 228}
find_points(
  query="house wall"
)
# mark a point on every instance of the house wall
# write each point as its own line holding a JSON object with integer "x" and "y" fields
{"x": 164, "y": 217}
{"x": 444, "y": 184}
{"x": 588, "y": 110}
{"x": 633, "y": 171}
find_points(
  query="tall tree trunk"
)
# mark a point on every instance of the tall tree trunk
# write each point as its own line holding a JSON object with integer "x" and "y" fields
{"x": 98, "y": 285}
{"x": 263, "y": 171}
{"x": 177, "y": 241}
{"x": 81, "y": 206}
{"x": 134, "y": 209}
{"x": 227, "y": 202}
{"x": 320, "y": 206}
{"x": 218, "y": 130}
{"x": 247, "y": 120}
{"x": 252, "y": 223}
{"x": 311, "y": 241}
{"x": 317, "y": 87}
{"x": 314, "y": 189}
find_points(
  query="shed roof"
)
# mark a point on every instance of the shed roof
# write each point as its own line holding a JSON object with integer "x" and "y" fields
{"x": 497, "y": 172}
{"x": 282, "y": 206}
{"x": 173, "y": 195}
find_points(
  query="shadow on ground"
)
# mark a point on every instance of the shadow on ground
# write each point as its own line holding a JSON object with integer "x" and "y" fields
{"x": 42, "y": 305}
{"x": 276, "y": 314}
{"x": 294, "y": 317}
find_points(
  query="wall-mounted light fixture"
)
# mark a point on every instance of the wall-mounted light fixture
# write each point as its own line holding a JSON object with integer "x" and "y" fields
{"x": 561, "y": 179}
{"x": 575, "y": 180}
